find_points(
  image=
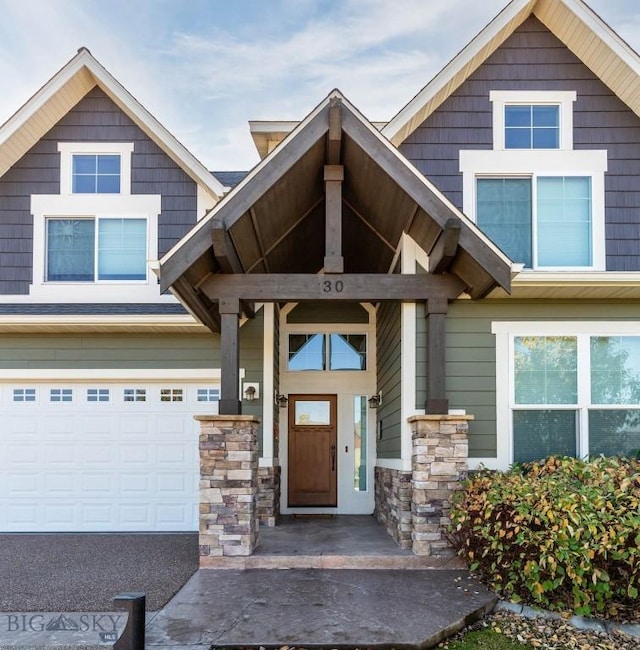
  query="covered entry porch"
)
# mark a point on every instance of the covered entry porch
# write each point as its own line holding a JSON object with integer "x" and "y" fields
{"x": 333, "y": 216}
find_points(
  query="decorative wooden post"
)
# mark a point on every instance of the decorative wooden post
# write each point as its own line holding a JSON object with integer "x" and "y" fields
{"x": 230, "y": 356}
{"x": 437, "y": 401}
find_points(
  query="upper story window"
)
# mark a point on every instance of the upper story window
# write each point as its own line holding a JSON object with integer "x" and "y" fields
{"x": 532, "y": 119}
{"x": 95, "y": 167}
{"x": 537, "y": 200}
{"x": 101, "y": 248}
{"x": 327, "y": 352}
{"x": 95, "y": 174}
{"x": 539, "y": 221}
{"x": 531, "y": 126}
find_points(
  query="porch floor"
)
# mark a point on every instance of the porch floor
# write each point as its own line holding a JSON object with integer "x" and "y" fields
{"x": 340, "y": 542}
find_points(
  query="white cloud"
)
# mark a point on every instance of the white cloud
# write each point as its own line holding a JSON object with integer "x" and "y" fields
{"x": 204, "y": 73}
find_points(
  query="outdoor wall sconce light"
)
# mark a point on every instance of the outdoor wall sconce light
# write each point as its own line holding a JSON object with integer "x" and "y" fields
{"x": 282, "y": 401}
{"x": 375, "y": 401}
{"x": 251, "y": 391}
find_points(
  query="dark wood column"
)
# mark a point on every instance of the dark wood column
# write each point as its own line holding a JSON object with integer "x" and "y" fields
{"x": 230, "y": 403}
{"x": 437, "y": 401}
{"x": 333, "y": 260}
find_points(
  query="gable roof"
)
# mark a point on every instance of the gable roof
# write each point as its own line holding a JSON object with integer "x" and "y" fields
{"x": 63, "y": 91}
{"x": 571, "y": 21}
{"x": 274, "y": 220}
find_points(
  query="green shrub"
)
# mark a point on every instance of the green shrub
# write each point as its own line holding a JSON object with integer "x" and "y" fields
{"x": 562, "y": 534}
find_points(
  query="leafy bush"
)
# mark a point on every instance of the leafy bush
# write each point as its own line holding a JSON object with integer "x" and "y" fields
{"x": 560, "y": 534}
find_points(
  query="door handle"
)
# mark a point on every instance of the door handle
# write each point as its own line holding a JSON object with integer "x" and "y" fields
{"x": 333, "y": 458}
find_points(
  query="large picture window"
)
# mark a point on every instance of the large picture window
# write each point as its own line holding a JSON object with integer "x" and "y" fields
{"x": 539, "y": 221}
{"x": 90, "y": 249}
{"x": 574, "y": 394}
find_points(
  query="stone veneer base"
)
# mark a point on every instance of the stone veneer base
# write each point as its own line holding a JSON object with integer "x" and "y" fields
{"x": 393, "y": 503}
{"x": 228, "y": 485}
{"x": 269, "y": 495}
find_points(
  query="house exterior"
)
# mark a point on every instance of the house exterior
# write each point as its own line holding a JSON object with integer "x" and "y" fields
{"x": 372, "y": 310}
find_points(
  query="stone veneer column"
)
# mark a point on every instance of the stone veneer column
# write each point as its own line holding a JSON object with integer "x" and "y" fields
{"x": 269, "y": 495}
{"x": 439, "y": 463}
{"x": 228, "y": 485}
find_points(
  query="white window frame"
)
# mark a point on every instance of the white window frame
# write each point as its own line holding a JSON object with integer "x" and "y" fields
{"x": 68, "y": 149}
{"x": 562, "y": 98}
{"x": 505, "y": 333}
{"x": 525, "y": 163}
{"x": 78, "y": 206}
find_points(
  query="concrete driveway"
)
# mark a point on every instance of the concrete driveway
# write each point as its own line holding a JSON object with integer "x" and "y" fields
{"x": 62, "y": 572}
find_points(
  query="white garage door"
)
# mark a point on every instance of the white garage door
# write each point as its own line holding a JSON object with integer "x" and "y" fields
{"x": 101, "y": 456}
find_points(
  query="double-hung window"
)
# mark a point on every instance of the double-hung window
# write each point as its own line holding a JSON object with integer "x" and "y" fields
{"x": 574, "y": 389}
{"x": 94, "y": 249}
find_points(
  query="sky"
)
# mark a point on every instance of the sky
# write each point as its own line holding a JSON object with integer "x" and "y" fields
{"x": 204, "y": 68}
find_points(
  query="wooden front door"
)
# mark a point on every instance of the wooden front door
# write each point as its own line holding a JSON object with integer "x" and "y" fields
{"x": 313, "y": 454}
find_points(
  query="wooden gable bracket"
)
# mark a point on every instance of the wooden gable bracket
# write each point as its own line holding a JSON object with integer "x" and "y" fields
{"x": 333, "y": 177}
{"x": 225, "y": 252}
{"x": 444, "y": 248}
{"x": 436, "y": 312}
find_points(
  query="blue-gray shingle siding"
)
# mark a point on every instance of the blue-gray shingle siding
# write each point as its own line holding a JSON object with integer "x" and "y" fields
{"x": 94, "y": 119}
{"x": 532, "y": 58}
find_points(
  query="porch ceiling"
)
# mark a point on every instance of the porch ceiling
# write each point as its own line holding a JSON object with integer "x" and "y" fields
{"x": 274, "y": 221}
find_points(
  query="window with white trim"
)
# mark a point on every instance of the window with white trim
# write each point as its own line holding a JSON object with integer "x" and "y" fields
{"x": 537, "y": 200}
{"x": 574, "y": 390}
{"x": 94, "y": 249}
{"x": 532, "y": 119}
{"x": 95, "y": 167}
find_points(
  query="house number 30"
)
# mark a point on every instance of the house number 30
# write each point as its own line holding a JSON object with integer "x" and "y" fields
{"x": 328, "y": 286}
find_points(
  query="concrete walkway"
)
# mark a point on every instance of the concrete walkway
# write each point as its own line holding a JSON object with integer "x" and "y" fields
{"x": 307, "y": 608}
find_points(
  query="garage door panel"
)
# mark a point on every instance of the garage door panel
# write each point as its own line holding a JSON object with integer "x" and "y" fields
{"x": 99, "y": 466}
{"x": 61, "y": 483}
{"x": 134, "y": 484}
{"x": 21, "y": 484}
{"x": 97, "y": 453}
{"x": 61, "y": 454}
{"x": 22, "y": 453}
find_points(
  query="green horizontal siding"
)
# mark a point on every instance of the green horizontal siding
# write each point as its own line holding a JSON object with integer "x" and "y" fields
{"x": 470, "y": 353}
{"x": 389, "y": 380}
{"x": 123, "y": 351}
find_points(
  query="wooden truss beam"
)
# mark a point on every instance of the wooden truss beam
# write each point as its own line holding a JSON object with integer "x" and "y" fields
{"x": 225, "y": 252}
{"x": 444, "y": 249}
{"x": 363, "y": 287}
